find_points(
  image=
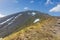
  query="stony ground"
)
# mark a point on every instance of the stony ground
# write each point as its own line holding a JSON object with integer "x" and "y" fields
{"x": 49, "y": 30}
{"x": 57, "y": 28}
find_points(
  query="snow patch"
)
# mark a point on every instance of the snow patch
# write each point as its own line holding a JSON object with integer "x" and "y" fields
{"x": 10, "y": 23}
{"x": 1, "y": 38}
{"x": 6, "y": 21}
{"x": 36, "y": 20}
{"x": 14, "y": 19}
{"x": 33, "y": 13}
{"x": 18, "y": 16}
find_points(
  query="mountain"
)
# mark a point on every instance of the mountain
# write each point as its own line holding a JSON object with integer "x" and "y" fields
{"x": 12, "y": 22}
{"x": 29, "y": 25}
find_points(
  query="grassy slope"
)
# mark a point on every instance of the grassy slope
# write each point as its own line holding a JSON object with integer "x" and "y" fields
{"x": 38, "y": 31}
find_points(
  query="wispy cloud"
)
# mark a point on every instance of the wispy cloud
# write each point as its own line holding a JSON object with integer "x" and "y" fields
{"x": 55, "y": 9}
{"x": 26, "y": 8}
{"x": 32, "y": 1}
{"x": 48, "y": 2}
{"x": 15, "y": 1}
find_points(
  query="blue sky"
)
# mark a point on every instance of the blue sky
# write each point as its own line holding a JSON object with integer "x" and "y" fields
{"x": 8, "y": 7}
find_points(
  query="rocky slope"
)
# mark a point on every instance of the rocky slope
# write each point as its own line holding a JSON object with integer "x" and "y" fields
{"x": 30, "y": 25}
{"x": 12, "y": 23}
{"x": 46, "y": 30}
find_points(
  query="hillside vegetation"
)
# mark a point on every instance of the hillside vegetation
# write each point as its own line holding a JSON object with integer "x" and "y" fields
{"x": 42, "y": 30}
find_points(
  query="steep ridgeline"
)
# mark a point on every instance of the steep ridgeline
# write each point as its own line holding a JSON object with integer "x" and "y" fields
{"x": 15, "y": 22}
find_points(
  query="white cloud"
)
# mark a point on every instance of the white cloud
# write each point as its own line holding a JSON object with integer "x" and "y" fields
{"x": 15, "y": 1}
{"x": 26, "y": 8}
{"x": 1, "y": 15}
{"x": 55, "y": 9}
{"x": 31, "y": 1}
{"x": 48, "y": 2}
